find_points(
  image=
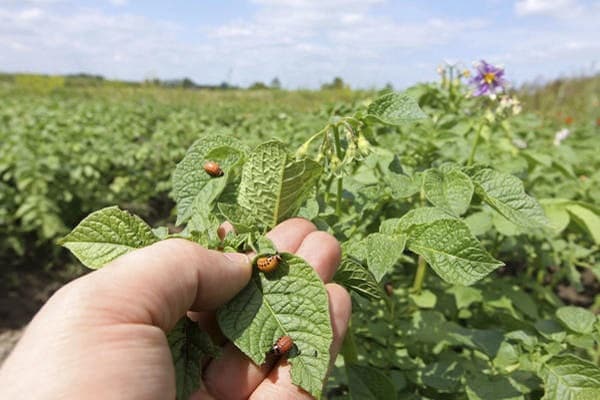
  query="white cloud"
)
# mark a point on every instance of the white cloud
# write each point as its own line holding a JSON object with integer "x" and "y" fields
{"x": 118, "y": 3}
{"x": 41, "y": 40}
{"x": 312, "y": 4}
{"x": 303, "y": 42}
{"x": 554, "y": 8}
{"x": 312, "y": 40}
{"x": 30, "y": 14}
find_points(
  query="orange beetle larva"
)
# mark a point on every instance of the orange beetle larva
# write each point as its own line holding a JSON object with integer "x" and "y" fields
{"x": 268, "y": 263}
{"x": 283, "y": 345}
{"x": 213, "y": 169}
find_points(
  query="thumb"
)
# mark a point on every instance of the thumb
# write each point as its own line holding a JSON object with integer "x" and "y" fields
{"x": 159, "y": 283}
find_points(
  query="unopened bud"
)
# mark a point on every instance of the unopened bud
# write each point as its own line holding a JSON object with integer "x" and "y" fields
{"x": 302, "y": 150}
{"x": 364, "y": 147}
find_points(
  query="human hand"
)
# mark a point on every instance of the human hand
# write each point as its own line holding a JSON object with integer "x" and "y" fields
{"x": 103, "y": 335}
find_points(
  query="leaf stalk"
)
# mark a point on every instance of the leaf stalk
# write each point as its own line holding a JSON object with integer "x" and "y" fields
{"x": 475, "y": 144}
{"x": 420, "y": 275}
{"x": 340, "y": 183}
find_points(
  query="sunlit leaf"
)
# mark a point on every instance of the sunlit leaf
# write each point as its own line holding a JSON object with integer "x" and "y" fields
{"x": 449, "y": 248}
{"x": 451, "y": 191}
{"x": 274, "y": 184}
{"x": 292, "y": 301}
{"x": 570, "y": 378}
{"x": 505, "y": 193}
{"x": 107, "y": 234}
{"x": 395, "y": 108}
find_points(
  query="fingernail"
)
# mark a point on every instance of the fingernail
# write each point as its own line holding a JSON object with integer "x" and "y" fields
{"x": 238, "y": 258}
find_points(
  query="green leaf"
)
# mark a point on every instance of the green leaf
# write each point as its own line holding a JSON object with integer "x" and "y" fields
{"x": 450, "y": 191}
{"x": 274, "y": 185}
{"x": 482, "y": 387}
{"x": 556, "y": 211}
{"x": 354, "y": 277}
{"x": 570, "y": 378}
{"x": 420, "y": 216}
{"x": 310, "y": 210}
{"x": 190, "y": 179}
{"x": 527, "y": 339}
{"x": 576, "y": 319}
{"x": 161, "y": 232}
{"x": 586, "y": 218}
{"x": 389, "y": 226}
{"x": 107, "y": 234}
{"x": 395, "y": 109}
{"x": 550, "y": 329}
{"x": 202, "y": 228}
{"x": 449, "y": 248}
{"x": 542, "y": 159}
{"x": 487, "y": 340}
{"x": 507, "y": 356}
{"x": 424, "y": 299}
{"x": 292, "y": 301}
{"x": 506, "y": 227}
{"x": 366, "y": 383}
{"x": 235, "y": 215}
{"x": 189, "y": 345}
{"x": 505, "y": 193}
{"x": 383, "y": 252}
{"x": 357, "y": 249}
{"x": 401, "y": 186}
{"x": 444, "y": 375}
{"x": 263, "y": 246}
{"x": 479, "y": 222}
{"x": 465, "y": 295}
{"x": 428, "y": 326}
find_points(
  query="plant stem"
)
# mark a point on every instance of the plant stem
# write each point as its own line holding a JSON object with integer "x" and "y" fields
{"x": 340, "y": 183}
{"x": 421, "y": 263}
{"x": 349, "y": 351}
{"x": 419, "y": 275}
{"x": 303, "y": 150}
{"x": 475, "y": 143}
{"x": 338, "y": 200}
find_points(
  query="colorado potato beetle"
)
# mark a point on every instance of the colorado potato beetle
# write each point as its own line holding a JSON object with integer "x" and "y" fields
{"x": 268, "y": 263}
{"x": 213, "y": 169}
{"x": 282, "y": 345}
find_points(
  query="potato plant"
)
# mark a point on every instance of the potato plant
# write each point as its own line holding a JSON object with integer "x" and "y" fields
{"x": 444, "y": 250}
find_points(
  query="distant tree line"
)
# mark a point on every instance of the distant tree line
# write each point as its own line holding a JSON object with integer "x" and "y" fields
{"x": 188, "y": 83}
{"x": 87, "y": 80}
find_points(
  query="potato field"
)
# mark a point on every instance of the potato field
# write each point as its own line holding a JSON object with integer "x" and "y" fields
{"x": 468, "y": 217}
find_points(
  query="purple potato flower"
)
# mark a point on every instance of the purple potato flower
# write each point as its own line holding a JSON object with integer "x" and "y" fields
{"x": 488, "y": 80}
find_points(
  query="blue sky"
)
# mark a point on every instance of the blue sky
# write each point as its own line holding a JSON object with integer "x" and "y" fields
{"x": 302, "y": 42}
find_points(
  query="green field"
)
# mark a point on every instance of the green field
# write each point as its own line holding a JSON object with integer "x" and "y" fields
{"x": 515, "y": 204}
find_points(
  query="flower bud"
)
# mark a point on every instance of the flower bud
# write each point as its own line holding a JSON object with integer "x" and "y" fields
{"x": 302, "y": 150}
{"x": 364, "y": 147}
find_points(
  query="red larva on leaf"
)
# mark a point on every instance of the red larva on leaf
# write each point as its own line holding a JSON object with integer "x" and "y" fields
{"x": 268, "y": 263}
{"x": 283, "y": 345}
{"x": 213, "y": 169}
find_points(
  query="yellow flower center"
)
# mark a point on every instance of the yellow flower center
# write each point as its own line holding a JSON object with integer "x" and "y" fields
{"x": 489, "y": 77}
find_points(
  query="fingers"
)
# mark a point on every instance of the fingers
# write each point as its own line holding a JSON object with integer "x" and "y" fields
{"x": 287, "y": 237}
{"x": 340, "y": 309}
{"x": 319, "y": 249}
{"x": 159, "y": 283}
{"x": 224, "y": 229}
{"x": 290, "y": 234}
{"x": 322, "y": 252}
{"x": 278, "y": 384}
